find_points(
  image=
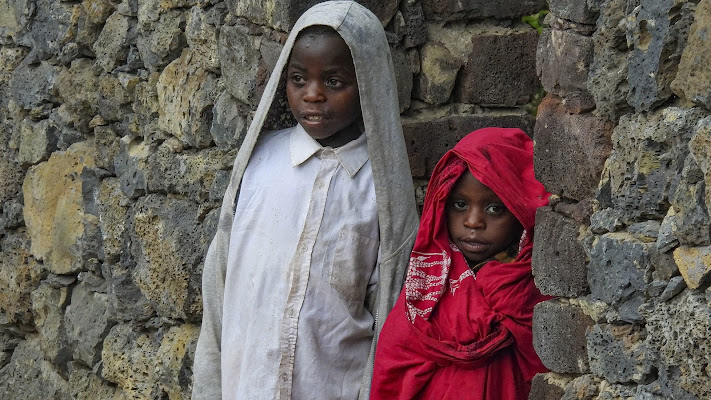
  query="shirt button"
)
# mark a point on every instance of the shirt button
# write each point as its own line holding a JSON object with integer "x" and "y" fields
{"x": 319, "y": 184}
{"x": 302, "y": 248}
{"x": 283, "y": 377}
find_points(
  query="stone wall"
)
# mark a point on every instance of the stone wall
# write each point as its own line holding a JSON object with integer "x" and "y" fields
{"x": 119, "y": 121}
{"x": 623, "y": 140}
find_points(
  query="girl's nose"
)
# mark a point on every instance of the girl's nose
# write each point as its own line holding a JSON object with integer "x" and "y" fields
{"x": 475, "y": 219}
{"x": 313, "y": 92}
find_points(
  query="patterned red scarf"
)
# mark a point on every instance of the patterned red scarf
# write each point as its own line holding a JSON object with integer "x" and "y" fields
{"x": 455, "y": 333}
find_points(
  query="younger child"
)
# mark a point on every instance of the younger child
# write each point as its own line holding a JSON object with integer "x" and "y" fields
{"x": 316, "y": 224}
{"x": 461, "y": 328}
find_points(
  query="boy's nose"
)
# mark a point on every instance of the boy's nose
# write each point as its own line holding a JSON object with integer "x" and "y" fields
{"x": 313, "y": 92}
{"x": 474, "y": 219}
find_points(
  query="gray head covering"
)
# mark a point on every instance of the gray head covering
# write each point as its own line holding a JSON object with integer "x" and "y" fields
{"x": 397, "y": 215}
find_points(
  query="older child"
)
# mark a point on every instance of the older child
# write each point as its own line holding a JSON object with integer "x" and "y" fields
{"x": 461, "y": 328}
{"x": 316, "y": 224}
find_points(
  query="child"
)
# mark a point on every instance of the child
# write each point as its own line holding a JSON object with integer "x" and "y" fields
{"x": 461, "y": 328}
{"x": 316, "y": 224}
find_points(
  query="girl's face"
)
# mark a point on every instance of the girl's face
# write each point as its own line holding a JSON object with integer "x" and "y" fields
{"x": 478, "y": 221}
{"x": 322, "y": 89}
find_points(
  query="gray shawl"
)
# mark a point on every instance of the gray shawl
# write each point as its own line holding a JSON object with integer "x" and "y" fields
{"x": 397, "y": 215}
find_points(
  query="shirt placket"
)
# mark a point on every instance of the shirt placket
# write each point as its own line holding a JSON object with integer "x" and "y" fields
{"x": 300, "y": 269}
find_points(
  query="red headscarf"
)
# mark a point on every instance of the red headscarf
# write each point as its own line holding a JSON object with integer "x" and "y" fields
{"x": 455, "y": 333}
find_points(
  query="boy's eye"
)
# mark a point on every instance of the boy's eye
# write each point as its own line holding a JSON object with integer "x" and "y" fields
{"x": 333, "y": 83}
{"x": 495, "y": 209}
{"x": 296, "y": 78}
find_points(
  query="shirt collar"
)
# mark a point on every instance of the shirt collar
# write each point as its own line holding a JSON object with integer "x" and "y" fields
{"x": 352, "y": 155}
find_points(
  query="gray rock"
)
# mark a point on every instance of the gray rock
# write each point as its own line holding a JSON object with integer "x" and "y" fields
{"x": 559, "y": 336}
{"x": 606, "y": 220}
{"x": 657, "y": 31}
{"x": 160, "y": 36}
{"x": 548, "y": 386}
{"x": 647, "y": 157}
{"x": 686, "y": 316}
{"x": 403, "y": 77}
{"x": 230, "y": 121}
{"x": 37, "y": 141}
{"x": 479, "y": 9}
{"x": 559, "y": 262}
{"x": 585, "y": 12}
{"x": 202, "y": 32}
{"x": 620, "y": 268}
{"x": 562, "y": 61}
{"x": 29, "y": 375}
{"x": 48, "y": 306}
{"x": 113, "y": 43}
{"x": 646, "y": 231}
{"x": 676, "y": 285}
{"x": 31, "y": 86}
{"x": 168, "y": 246}
{"x": 693, "y": 77}
{"x": 87, "y": 323}
{"x": 413, "y": 28}
{"x": 52, "y": 24}
{"x": 619, "y": 354}
{"x": 240, "y": 58}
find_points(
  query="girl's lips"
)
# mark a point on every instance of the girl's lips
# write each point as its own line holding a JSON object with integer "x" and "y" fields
{"x": 473, "y": 246}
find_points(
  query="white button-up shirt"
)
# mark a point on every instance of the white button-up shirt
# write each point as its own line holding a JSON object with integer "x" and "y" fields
{"x": 302, "y": 257}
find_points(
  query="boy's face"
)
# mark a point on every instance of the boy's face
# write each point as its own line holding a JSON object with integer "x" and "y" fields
{"x": 322, "y": 89}
{"x": 478, "y": 221}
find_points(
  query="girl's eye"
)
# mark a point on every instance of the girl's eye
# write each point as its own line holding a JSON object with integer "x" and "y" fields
{"x": 495, "y": 209}
{"x": 459, "y": 205}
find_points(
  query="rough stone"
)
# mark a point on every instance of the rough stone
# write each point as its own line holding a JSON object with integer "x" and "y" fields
{"x": 48, "y": 305}
{"x": 619, "y": 354}
{"x": 189, "y": 174}
{"x": 186, "y": 94}
{"x": 563, "y": 60}
{"x": 606, "y": 220}
{"x": 675, "y": 286}
{"x": 113, "y": 44}
{"x": 168, "y": 246}
{"x": 693, "y": 77}
{"x": 37, "y": 141}
{"x": 20, "y": 274}
{"x": 107, "y": 144}
{"x": 282, "y": 14}
{"x": 403, "y": 77}
{"x": 694, "y": 264}
{"x": 160, "y": 34}
{"x": 570, "y": 149}
{"x": 559, "y": 262}
{"x": 438, "y": 73}
{"x": 53, "y": 24}
{"x": 230, "y": 121}
{"x": 500, "y": 69}
{"x": 584, "y": 387}
{"x": 202, "y": 33}
{"x": 680, "y": 330}
{"x": 85, "y": 385}
{"x": 145, "y": 365}
{"x": 30, "y": 376}
{"x": 79, "y": 88}
{"x": 559, "y": 336}
{"x": 130, "y": 165}
{"x": 63, "y": 234}
{"x": 607, "y": 79}
{"x": 87, "y": 324}
{"x": 130, "y": 360}
{"x": 657, "y": 31}
{"x": 112, "y": 207}
{"x": 618, "y": 273}
{"x": 430, "y": 133}
{"x": 32, "y": 86}
{"x": 413, "y": 29}
{"x": 648, "y": 155}
{"x": 692, "y": 224}
{"x": 479, "y": 9}
{"x": 247, "y": 62}
{"x": 548, "y": 386}
{"x": 699, "y": 146}
{"x": 585, "y": 12}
